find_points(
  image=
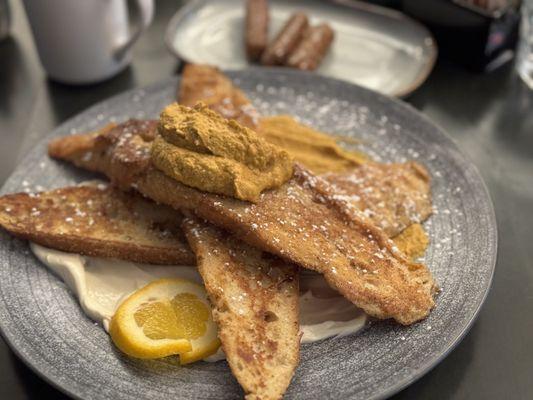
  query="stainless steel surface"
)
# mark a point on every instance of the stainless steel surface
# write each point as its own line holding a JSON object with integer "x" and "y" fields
{"x": 374, "y": 47}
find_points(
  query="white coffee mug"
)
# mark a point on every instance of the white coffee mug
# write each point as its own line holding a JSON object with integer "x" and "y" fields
{"x": 85, "y": 41}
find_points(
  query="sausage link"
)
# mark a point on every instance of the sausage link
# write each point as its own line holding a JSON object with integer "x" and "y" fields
{"x": 287, "y": 39}
{"x": 256, "y": 30}
{"x": 312, "y": 48}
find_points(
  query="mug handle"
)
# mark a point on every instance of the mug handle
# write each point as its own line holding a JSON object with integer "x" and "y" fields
{"x": 146, "y": 15}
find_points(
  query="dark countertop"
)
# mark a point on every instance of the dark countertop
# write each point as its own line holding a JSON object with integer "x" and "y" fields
{"x": 488, "y": 115}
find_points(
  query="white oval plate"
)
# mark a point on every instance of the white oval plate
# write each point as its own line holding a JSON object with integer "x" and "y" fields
{"x": 374, "y": 47}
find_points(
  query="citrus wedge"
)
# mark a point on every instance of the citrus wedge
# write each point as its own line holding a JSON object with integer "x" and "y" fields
{"x": 166, "y": 317}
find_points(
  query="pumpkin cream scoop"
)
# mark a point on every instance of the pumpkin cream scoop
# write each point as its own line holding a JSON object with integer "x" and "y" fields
{"x": 316, "y": 150}
{"x": 201, "y": 149}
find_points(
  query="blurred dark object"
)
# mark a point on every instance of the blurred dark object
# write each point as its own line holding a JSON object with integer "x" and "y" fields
{"x": 5, "y": 19}
{"x": 386, "y": 3}
{"x": 492, "y": 8}
{"x": 479, "y": 34}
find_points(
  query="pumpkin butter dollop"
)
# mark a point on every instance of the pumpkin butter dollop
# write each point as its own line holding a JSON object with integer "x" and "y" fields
{"x": 201, "y": 149}
{"x": 316, "y": 150}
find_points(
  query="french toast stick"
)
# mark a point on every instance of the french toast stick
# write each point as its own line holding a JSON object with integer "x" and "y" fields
{"x": 209, "y": 85}
{"x": 302, "y": 222}
{"x": 98, "y": 221}
{"x": 393, "y": 196}
{"x": 254, "y": 298}
{"x": 256, "y": 28}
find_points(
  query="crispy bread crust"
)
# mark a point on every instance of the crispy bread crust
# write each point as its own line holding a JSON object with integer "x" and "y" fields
{"x": 255, "y": 304}
{"x": 98, "y": 221}
{"x": 302, "y": 222}
{"x": 402, "y": 197}
{"x": 209, "y": 85}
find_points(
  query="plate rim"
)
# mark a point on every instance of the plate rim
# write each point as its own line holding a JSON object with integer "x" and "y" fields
{"x": 191, "y": 5}
{"x": 28, "y": 360}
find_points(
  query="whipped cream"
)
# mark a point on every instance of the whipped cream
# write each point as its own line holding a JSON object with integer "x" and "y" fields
{"x": 100, "y": 285}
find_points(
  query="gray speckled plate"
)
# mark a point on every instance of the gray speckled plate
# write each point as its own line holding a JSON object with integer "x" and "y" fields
{"x": 42, "y": 322}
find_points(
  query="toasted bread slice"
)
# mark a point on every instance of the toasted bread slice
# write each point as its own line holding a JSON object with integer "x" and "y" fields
{"x": 255, "y": 305}
{"x": 98, "y": 221}
{"x": 392, "y": 196}
{"x": 401, "y": 197}
{"x": 210, "y": 86}
{"x": 89, "y": 150}
{"x": 303, "y": 222}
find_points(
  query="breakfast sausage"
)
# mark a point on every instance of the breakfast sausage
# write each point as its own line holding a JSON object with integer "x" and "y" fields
{"x": 287, "y": 39}
{"x": 256, "y": 30}
{"x": 312, "y": 48}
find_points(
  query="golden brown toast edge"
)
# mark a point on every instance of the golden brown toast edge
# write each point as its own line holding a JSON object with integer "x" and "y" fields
{"x": 207, "y": 84}
{"x": 255, "y": 305}
{"x": 394, "y": 196}
{"x": 98, "y": 221}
